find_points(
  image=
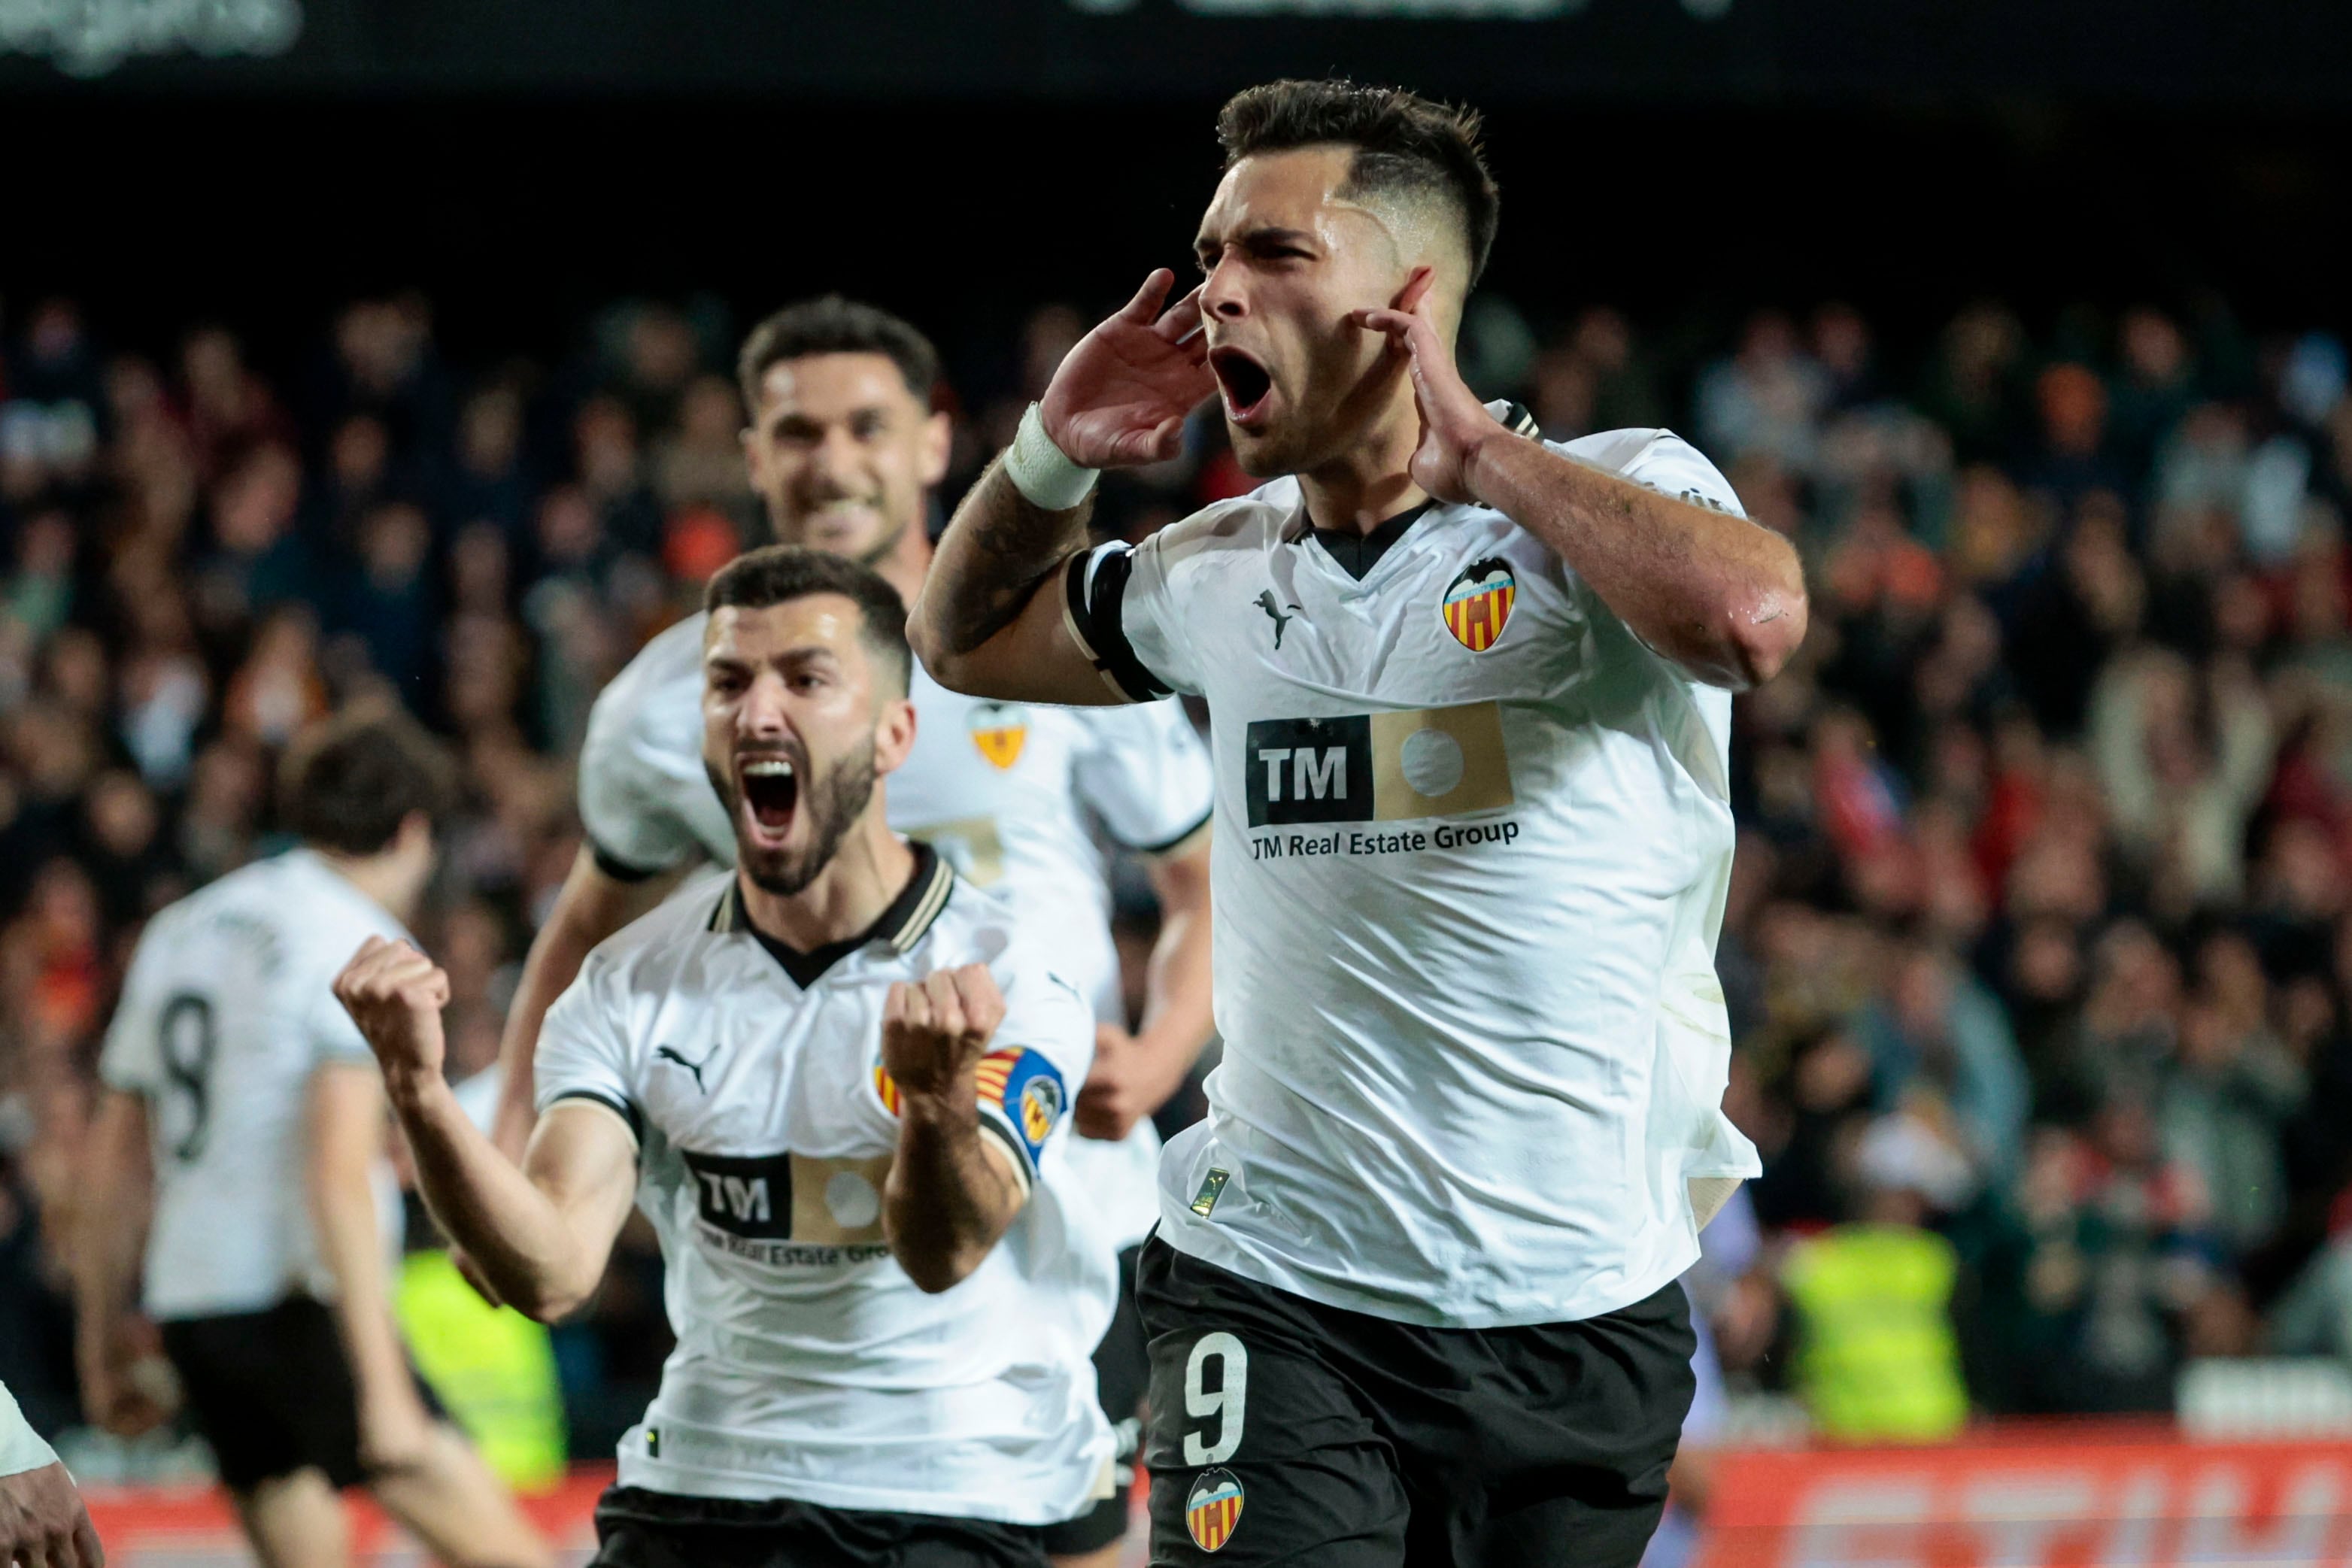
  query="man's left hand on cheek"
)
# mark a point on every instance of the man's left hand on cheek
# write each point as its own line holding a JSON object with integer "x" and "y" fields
{"x": 1453, "y": 423}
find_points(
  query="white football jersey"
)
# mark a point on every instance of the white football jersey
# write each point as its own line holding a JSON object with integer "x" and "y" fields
{"x": 808, "y": 1365}
{"x": 1473, "y": 844}
{"x": 1002, "y": 790}
{"x": 227, "y": 1009}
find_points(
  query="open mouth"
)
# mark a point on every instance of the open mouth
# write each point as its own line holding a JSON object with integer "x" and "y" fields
{"x": 1245, "y": 384}
{"x": 772, "y": 791}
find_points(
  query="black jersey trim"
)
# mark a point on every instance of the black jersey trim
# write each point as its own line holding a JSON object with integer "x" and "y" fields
{"x": 1164, "y": 845}
{"x": 619, "y": 870}
{"x": 1094, "y": 597}
{"x": 998, "y": 1124}
{"x": 1356, "y": 554}
{"x": 902, "y": 925}
{"x": 623, "y": 1109}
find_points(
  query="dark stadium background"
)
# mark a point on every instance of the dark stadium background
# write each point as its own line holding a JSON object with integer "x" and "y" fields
{"x": 534, "y": 172}
{"x": 519, "y": 213}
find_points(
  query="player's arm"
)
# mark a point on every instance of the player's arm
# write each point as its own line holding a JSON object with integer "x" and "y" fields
{"x": 1720, "y": 596}
{"x": 346, "y": 1141}
{"x": 116, "y": 1204}
{"x": 990, "y": 619}
{"x": 952, "y": 1189}
{"x": 593, "y": 905}
{"x": 1134, "y": 1075}
{"x": 540, "y": 1234}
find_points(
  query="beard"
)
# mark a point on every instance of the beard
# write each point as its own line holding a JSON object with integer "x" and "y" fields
{"x": 833, "y": 802}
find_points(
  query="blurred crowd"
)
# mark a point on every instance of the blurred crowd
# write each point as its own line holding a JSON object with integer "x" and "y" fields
{"x": 2039, "y": 951}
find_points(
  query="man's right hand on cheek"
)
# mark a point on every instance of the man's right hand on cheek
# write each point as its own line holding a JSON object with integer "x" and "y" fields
{"x": 1122, "y": 395}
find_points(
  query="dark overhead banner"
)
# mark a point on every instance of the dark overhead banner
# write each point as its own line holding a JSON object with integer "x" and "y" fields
{"x": 2255, "y": 52}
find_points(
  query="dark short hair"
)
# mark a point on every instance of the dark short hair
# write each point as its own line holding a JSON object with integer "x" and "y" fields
{"x": 1405, "y": 145}
{"x": 349, "y": 781}
{"x": 835, "y": 324}
{"x": 778, "y": 574}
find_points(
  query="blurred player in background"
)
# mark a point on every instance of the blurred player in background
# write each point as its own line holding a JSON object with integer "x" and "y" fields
{"x": 837, "y": 1082}
{"x": 1413, "y": 1294}
{"x": 241, "y": 1144}
{"x": 43, "y": 1523}
{"x": 843, "y": 447}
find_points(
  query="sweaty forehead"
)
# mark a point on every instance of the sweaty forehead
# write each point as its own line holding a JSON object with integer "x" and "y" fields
{"x": 815, "y": 623}
{"x": 824, "y": 386}
{"x": 1296, "y": 188}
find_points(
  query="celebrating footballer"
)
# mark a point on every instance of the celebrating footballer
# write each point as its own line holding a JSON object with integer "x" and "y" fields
{"x": 1412, "y": 1296}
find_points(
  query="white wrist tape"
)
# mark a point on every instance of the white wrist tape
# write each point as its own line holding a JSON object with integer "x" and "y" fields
{"x": 1042, "y": 471}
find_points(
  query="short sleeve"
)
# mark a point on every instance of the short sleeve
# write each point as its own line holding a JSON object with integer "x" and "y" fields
{"x": 1029, "y": 1080}
{"x": 1119, "y": 603}
{"x": 1663, "y": 461}
{"x": 641, "y": 763}
{"x": 631, "y": 833}
{"x": 584, "y": 1052}
{"x": 331, "y": 1034}
{"x": 1672, "y": 466}
{"x": 1146, "y": 774}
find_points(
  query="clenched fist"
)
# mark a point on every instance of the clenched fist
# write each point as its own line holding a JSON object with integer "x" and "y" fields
{"x": 395, "y": 995}
{"x": 934, "y": 1034}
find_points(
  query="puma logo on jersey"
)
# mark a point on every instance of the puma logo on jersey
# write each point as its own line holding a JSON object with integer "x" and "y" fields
{"x": 664, "y": 1053}
{"x": 1267, "y": 602}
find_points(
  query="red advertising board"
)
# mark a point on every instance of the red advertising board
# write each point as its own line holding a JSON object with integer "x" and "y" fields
{"x": 192, "y": 1527}
{"x": 2039, "y": 1497}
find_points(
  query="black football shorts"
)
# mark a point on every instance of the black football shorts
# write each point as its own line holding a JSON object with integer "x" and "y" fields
{"x": 640, "y": 1529}
{"x": 1283, "y": 1431}
{"x": 272, "y": 1392}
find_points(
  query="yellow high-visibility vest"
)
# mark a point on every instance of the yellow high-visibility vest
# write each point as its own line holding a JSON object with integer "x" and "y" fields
{"x": 492, "y": 1368}
{"x": 1877, "y": 1359}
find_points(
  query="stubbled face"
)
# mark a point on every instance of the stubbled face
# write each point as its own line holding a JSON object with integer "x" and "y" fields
{"x": 795, "y": 730}
{"x": 1287, "y": 260}
{"x": 842, "y": 451}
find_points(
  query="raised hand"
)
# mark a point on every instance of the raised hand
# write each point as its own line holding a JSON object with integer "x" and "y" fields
{"x": 1122, "y": 394}
{"x": 1453, "y": 423}
{"x": 934, "y": 1033}
{"x": 395, "y": 995}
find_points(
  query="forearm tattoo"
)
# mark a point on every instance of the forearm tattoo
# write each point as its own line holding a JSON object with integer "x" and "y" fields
{"x": 997, "y": 551}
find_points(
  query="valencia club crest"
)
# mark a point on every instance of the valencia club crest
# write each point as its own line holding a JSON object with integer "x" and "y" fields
{"x": 1477, "y": 603}
{"x": 1212, "y": 1509}
{"x": 1000, "y": 731}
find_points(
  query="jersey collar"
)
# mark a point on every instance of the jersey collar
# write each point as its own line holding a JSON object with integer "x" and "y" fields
{"x": 1358, "y": 554}
{"x": 901, "y": 925}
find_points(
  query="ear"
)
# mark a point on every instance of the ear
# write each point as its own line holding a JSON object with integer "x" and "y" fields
{"x": 938, "y": 441}
{"x": 1417, "y": 285}
{"x": 894, "y": 735}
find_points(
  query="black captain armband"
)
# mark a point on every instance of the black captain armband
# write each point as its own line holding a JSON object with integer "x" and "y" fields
{"x": 619, "y": 870}
{"x": 1094, "y": 590}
